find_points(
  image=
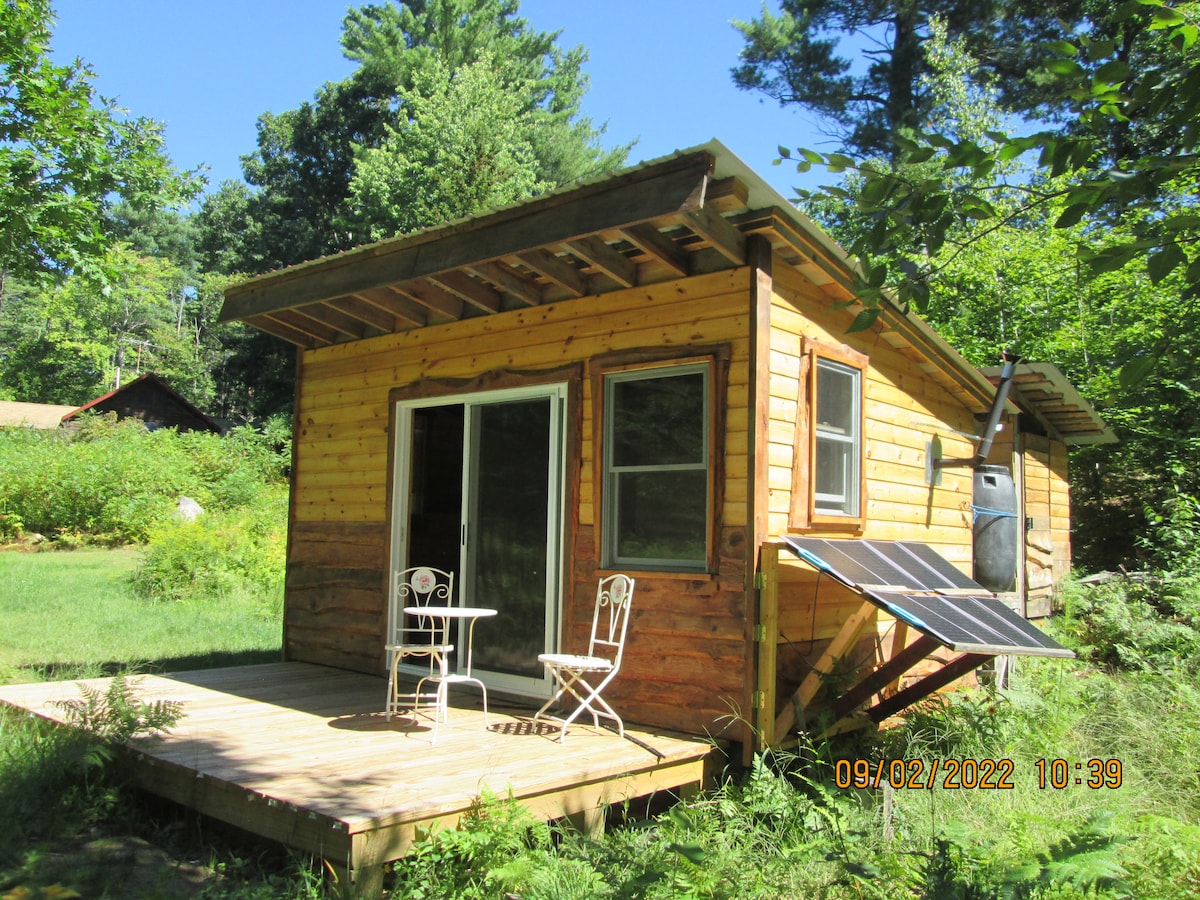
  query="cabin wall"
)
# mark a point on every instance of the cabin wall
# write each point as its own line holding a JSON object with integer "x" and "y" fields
{"x": 685, "y": 659}
{"x": 904, "y": 409}
{"x": 1048, "y": 517}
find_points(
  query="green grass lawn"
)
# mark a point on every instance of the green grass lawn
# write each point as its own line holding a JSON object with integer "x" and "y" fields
{"x": 73, "y": 615}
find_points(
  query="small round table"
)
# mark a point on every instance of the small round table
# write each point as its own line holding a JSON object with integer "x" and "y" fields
{"x": 447, "y": 614}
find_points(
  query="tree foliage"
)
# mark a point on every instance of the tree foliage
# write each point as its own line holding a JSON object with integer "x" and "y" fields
{"x": 362, "y": 161}
{"x": 942, "y": 191}
{"x": 65, "y": 154}
{"x": 1065, "y": 245}
{"x": 861, "y": 65}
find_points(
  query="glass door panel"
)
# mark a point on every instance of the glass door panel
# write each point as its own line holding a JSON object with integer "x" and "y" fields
{"x": 508, "y": 533}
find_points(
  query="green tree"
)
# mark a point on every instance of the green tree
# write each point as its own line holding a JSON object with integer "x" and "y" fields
{"x": 945, "y": 192}
{"x": 70, "y": 342}
{"x": 387, "y": 150}
{"x": 860, "y": 65}
{"x": 65, "y": 154}
{"x": 468, "y": 145}
{"x": 302, "y": 204}
{"x": 1086, "y": 258}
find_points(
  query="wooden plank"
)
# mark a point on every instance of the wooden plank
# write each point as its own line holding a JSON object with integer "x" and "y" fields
{"x": 556, "y": 269}
{"x": 394, "y": 304}
{"x": 351, "y": 327}
{"x": 306, "y": 324}
{"x": 643, "y": 194}
{"x": 436, "y": 298}
{"x": 368, "y": 313}
{"x": 879, "y": 677}
{"x": 768, "y": 645}
{"x": 846, "y": 638}
{"x": 603, "y": 257}
{"x": 650, "y": 240}
{"x": 927, "y": 685}
{"x": 723, "y": 237}
{"x": 508, "y": 279}
{"x": 469, "y": 289}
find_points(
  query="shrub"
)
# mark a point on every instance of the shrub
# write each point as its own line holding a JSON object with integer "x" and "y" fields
{"x": 115, "y": 481}
{"x": 1134, "y": 622}
{"x": 219, "y": 553}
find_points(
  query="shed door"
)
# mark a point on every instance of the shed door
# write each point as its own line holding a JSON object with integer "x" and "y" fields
{"x": 479, "y": 492}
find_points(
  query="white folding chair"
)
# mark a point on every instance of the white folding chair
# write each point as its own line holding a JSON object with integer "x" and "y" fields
{"x": 585, "y": 676}
{"x": 417, "y": 636}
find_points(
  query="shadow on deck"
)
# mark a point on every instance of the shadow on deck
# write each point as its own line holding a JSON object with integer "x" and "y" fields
{"x": 303, "y": 755}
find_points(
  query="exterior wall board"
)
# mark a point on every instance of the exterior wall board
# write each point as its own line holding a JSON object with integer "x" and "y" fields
{"x": 686, "y": 652}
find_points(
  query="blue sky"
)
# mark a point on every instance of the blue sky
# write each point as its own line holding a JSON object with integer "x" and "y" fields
{"x": 659, "y": 71}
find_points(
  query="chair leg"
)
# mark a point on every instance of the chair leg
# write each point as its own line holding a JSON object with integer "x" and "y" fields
{"x": 567, "y": 682}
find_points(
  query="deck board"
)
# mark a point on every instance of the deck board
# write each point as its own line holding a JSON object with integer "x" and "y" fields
{"x": 303, "y": 754}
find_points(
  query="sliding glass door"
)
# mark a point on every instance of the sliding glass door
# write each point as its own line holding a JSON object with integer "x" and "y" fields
{"x": 479, "y": 492}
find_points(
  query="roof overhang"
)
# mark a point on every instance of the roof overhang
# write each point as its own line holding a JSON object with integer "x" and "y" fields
{"x": 686, "y": 214}
{"x": 1044, "y": 392}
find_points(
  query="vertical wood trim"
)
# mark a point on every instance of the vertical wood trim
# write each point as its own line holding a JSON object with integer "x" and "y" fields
{"x": 758, "y": 400}
{"x": 800, "y": 501}
{"x": 1021, "y": 484}
{"x": 761, "y": 288}
{"x": 293, "y": 493}
{"x": 767, "y": 640}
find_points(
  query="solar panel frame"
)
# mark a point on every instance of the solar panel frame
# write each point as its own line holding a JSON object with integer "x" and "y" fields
{"x": 865, "y": 563}
{"x": 909, "y": 580}
{"x": 969, "y": 624}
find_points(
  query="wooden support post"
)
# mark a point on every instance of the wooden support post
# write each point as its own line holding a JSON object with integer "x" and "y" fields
{"x": 892, "y": 669}
{"x": 845, "y": 639}
{"x": 953, "y": 670}
{"x": 767, "y": 639}
{"x": 899, "y": 639}
{"x": 758, "y": 256}
{"x": 589, "y": 822}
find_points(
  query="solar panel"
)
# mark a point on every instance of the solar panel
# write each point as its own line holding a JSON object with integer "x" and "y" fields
{"x": 969, "y": 624}
{"x": 905, "y": 578}
{"x": 861, "y": 563}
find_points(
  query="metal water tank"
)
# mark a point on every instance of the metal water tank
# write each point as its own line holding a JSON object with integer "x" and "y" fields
{"x": 995, "y": 532}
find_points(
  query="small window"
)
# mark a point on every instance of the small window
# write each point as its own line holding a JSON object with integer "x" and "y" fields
{"x": 837, "y": 451}
{"x": 656, "y": 468}
{"x": 828, "y": 449}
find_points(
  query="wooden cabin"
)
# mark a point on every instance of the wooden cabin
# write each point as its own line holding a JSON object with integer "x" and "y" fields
{"x": 151, "y": 400}
{"x": 649, "y": 373}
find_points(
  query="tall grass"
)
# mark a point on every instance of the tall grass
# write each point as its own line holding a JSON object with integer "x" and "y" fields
{"x": 73, "y": 615}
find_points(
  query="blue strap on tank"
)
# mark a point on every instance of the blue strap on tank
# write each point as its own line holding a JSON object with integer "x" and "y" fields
{"x": 987, "y": 511}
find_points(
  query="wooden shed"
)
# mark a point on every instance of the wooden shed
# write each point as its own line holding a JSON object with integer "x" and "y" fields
{"x": 649, "y": 373}
{"x": 150, "y": 399}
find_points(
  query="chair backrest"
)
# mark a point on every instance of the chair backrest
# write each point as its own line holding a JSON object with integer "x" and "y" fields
{"x": 611, "y": 618}
{"x": 419, "y": 586}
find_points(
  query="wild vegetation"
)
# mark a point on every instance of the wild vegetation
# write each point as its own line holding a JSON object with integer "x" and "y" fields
{"x": 807, "y": 824}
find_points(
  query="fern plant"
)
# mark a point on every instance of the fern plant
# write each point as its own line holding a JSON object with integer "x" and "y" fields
{"x": 115, "y": 715}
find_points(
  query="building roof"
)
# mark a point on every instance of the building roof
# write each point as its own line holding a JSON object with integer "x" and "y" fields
{"x": 33, "y": 415}
{"x": 688, "y": 213}
{"x": 148, "y": 384}
{"x": 1043, "y": 391}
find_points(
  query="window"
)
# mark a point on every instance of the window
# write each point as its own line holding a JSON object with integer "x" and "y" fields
{"x": 656, "y": 468}
{"x": 827, "y": 470}
{"x": 838, "y": 446}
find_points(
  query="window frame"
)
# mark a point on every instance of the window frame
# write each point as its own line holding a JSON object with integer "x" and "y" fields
{"x": 804, "y": 513}
{"x": 606, "y": 507}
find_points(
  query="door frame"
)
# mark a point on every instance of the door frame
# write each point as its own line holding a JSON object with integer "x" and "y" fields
{"x": 558, "y": 392}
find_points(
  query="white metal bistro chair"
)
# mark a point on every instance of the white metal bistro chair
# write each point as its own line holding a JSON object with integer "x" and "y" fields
{"x": 421, "y": 637}
{"x": 585, "y": 676}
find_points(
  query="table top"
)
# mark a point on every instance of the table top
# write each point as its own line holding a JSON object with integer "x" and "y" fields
{"x": 451, "y": 612}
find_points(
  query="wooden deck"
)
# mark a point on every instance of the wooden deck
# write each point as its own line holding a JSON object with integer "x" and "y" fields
{"x": 303, "y": 755}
